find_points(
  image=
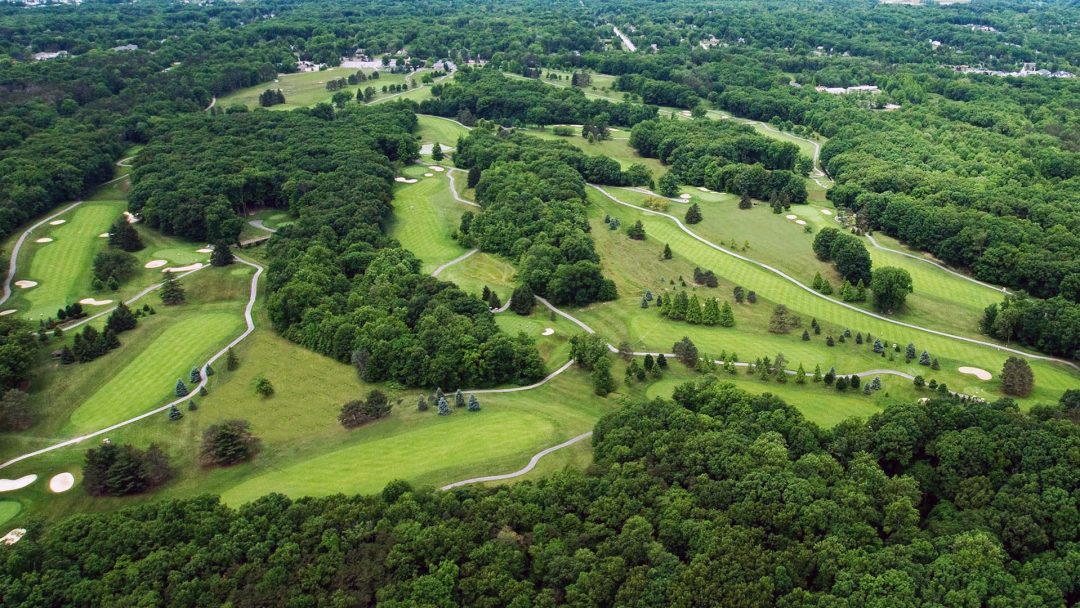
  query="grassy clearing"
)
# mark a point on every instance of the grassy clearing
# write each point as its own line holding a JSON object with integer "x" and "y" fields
{"x": 438, "y": 129}
{"x": 425, "y": 216}
{"x": 481, "y": 269}
{"x": 304, "y": 89}
{"x": 618, "y": 149}
{"x": 9, "y": 509}
{"x": 62, "y": 268}
{"x": 631, "y": 265}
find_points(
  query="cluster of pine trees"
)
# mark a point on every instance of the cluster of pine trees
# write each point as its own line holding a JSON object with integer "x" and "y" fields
{"x": 681, "y": 307}
{"x": 271, "y": 97}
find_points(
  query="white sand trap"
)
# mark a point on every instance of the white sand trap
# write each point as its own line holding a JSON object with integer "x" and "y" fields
{"x": 436, "y": 168}
{"x": 826, "y": 212}
{"x": 62, "y": 482}
{"x": 204, "y": 250}
{"x": 548, "y": 331}
{"x": 7, "y": 485}
{"x": 130, "y": 217}
{"x": 26, "y": 284}
{"x": 194, "y": 266}
{"x": 43, "y": 239}
{"x": 800, "y": 222}
{"x": 429, "y": 175}
{"x": 93, "y": 302}
{"x": 703, "y": 188}
{"x": 399, "y": 179}
{"x": 10, "y": 311}
{"x": 103, "y": 235}
{"x": 791, "y": 217}
{"x": 155, "y": 263}
{"x": 14, "y": 536}
{"x": 685, "y": 197}
{"x": 981, "y": 374}
{"x": 57, "y": 222}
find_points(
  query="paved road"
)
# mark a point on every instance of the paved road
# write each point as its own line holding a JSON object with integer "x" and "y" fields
{"x": 261, "y": 226}
{"x": 810, "y": 290}
{"x": 532, "y": 464}
{"x": 625, "y": 39}
{"x": 453, "y": 187}
{"x": 194, "y": 390}
{"x": 460, "y": 258}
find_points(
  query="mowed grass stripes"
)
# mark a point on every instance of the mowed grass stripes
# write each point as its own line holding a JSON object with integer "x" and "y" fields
{"x": 424, "y": 213}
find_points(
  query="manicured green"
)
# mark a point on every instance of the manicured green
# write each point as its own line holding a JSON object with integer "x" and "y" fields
{"x": 425, "y": 215}
{"x": 309, "y": 88}
{"x": 9, "y": 509}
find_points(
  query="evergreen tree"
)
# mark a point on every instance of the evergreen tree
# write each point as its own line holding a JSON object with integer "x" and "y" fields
{"x": 693, "y": 310}
{"x": 474, "y": 404}
{"x": 866, "y": 390}
{"x": 830, "y": 342}
{"x": 817, "y": 373}
{"x": 649, "y": 362}
{"x": 195, "y": 377}
{"x": 805, "y": 335}
{"x": 112, "y": 283}
{"x": 875, "y": 384}
{"x": 879, "y": 347}
{"x": 602, "y": 381}
{"x": 830, "y": 376}
{"x": 711, "y": 315}
{"x": 924, "y": 358}
{"x": 459, "y": 399}
{"x": 800, "y": 375}
{"x": 175, "y": 413}
{"x": 668, "y": 185}
{"x": 67, "y": 357}
{"x": 522, "y": 301}
{"x": 841, "y": 383}
{"x": 727, "y": 316}
{"x": 222, "y": 254}
{"x": 181, "y": 388}
{"x": 919, "y": 382}
{"x": 909, "y": 353}
{"x": 745, "y": 202}
{"x": 858, "y": 338}
{"x": 436, "y": 152}
{"x": 661, "y": 361}
{"x": 855, "y": 381}
{"x": 678, "y": 309}
{"x": 1017, "y": 379}
{"x": 192, "y": 406}
{"x": 172, "y": 292}
{"x": 421, "y": 404}
{"x": 493, "y": 301}
{"x": 203, "y": 392}
{"x": 817, "y": 282}
{"x": 934, "y": 364}
{"x": 124, "y": 236}
{"x": 232, "y": 362}
{"x": 693, "y": 214}
{"x": 209, "y": 371}
{"x": 121, "y": 319}
{"x": 739, "y": 294}
{"x": 109, "y": 340}
{"x": 932, "y": 385}
{"x": 751, "y": 296}
{"x": 667, "y": 251}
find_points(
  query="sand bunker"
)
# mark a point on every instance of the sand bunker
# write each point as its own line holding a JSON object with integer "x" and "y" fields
{"x": 44, "y": 239}
{"x": 548, "y": 331}
{"x": 14, "y": 536}
{"x": 57, "y": 222}
{"x": 103, "y": 235}
{"x": 826, "y": 212}
{"x": 703, "y": 188}
{"x": 155, "y": 263}
{"x": 26, "y": 284}
{"x": 7, "y": 485}
{"x": 429, "y": 175}
{"x": 981, "y": 374}
{"x": 62, "y": 482}
{"x": 130, "y": 217}
{"x": 684, "y": 196}
{"x": 791, "y": 217}
{"x": 800, "y": 222}
{"x": 194, "y": 266}
{"x": 205, "y": 250}
{"x": 404, "y": 180}
{"x": 10, "y": 311}
{"x": 436, "y": 168}
{"x": 93, "y": 302}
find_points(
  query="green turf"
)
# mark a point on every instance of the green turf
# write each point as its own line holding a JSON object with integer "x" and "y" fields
{"x": 618, "y": 149}
{"x": 62, "y": 268}
{"x": 309, "y": 88}
{"x": 423, "y": 215}
{"x": 9, "y": 509}
{"x": 481, "y": 269}
{"x": 437, "y": 129}
{"x": 633, "y": 273}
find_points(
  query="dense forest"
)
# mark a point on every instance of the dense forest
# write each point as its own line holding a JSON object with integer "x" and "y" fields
{"x": 337, "y": 283}
{"x": 943, "y": 503}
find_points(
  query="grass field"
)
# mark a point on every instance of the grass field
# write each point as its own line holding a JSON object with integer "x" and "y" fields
{"x": 62, "y": 268}
{"x": 8, "y": 510}
{"x": 437, "y": 129}
{"x": 425, "y": 215}
{"x": 304, "y": 89}
{"x": 618, "y": 149}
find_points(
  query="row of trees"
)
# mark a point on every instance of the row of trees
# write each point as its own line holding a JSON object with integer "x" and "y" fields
{"x": 1051, "y": 326}
{"x": 691, "y": 310}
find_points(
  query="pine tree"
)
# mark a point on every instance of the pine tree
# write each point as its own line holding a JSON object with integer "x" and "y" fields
{"x": 817, "y": 282}
{"x": 232, "y": 362}
{"x": 934, "y": 364}
{"x": 172, "y": 292}
{"x": 909, "y": 354}
{"x": 203, "y": 392}
{"x": 192, "y": 406}
{"x": 830, "y": 376}
{"x": 855, "y": 381}
{"x": 739, "y": 293}
{"x": 459, "y": 399}
{"x": 830, "y": 342}
{"x": 751, "y": 296}
{"x": 209, "y": 371}
{"x": 1017, "y": 378}
{"x": 474, "y": 404}
{"x": 661, "y": 361}
{"x": 858, "y": 338}
{"x": 693, "y": 310}
{"x": 866, "y": 390}
{"x": 711, "y": 314}
{"x": 195, "y": 377}
{"x": 649, "y": 362}
{"x": 932, "y": 385}
{"x": 121, "y": 319}
{"x": 678, "y": 309}
{"x": 443, "y": 406}
{"x": 924, "y": 358}
{"x": 817, "y": 373}
{"x": 67, "y": 357}
{"x": 485, "y": 295}
{"x": 805, "y": 336}
{"x": 693, "y": 214}
{"x": 919, "y": 382}
{"x": 745, "y": 202}
{"x": 222, "y": 254}
{"x": 181, "y": 388}
{"x": 800, "y": 375}
{"x": 493, "y": 301}
{"x": 841, "y": 383}
{"x": 667, "y": 251}
{"x": 875, "y": 384}
{"x": 436, "y": 152}
{"x": 421, "y": 404}
{"x": 879, "y": 347}
{"x": 175, "y": 413}
{"x": 109, "y": 340}
{"x": 727, "y": 316}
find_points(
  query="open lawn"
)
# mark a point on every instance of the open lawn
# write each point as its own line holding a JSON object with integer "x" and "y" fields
{"x": 425, "y": 215}
{"x": 304, "y": 89}
{"x": 62, "y": 268}
{"x": 9, "y": 509}
{"x": 618, "y": 149}
{"x": 438, "y": 129}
